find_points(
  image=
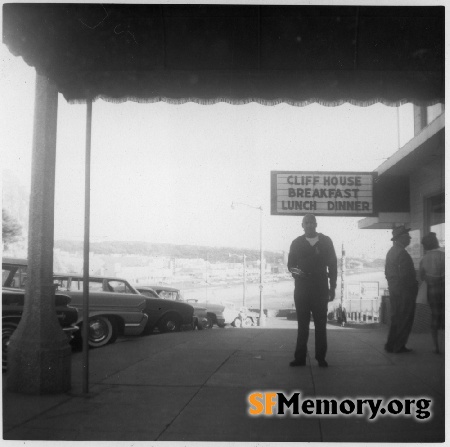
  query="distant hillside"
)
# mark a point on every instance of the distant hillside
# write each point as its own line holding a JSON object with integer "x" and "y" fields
{"x": 214, "y": 254}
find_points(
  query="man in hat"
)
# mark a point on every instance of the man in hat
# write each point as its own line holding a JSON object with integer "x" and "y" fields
{"x": 403, "y": 287}
{"x": 312, "y": 260}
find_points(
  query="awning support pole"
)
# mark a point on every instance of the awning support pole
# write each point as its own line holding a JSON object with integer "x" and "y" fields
{"x": 87, "y": 206}
{"x": 39, "y": 355}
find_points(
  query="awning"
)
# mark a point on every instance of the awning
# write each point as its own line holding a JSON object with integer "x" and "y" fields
{"x": 385, "y": 221}
{"x": 425, "y": 147}
{"x": 428, "y": 144}
{"x": 234, "y": 53}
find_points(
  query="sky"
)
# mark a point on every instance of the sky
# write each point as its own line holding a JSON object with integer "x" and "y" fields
{"x": 169, "y": 173}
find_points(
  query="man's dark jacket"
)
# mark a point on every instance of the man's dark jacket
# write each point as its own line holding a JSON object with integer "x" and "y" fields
{"x": 318, "y": 262}
{"x": 399, "y": 271}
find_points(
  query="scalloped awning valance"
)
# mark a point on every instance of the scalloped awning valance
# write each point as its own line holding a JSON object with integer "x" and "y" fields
{"x": 234, "y": 53}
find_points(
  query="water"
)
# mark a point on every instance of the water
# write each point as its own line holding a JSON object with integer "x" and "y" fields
{"x": 277, "y": 295}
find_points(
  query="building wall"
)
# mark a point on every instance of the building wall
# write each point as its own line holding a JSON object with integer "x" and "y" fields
{"x": 426, "y": 181}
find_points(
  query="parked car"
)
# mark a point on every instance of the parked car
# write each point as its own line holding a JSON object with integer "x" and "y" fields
{"x": 12, "y": 310}
{"x": 115, "y": 307}
{"x": 110, "y": 315}
{"x": 167, "y": 315}
{"x": 245, "y": 318}
{"x": 167, "y": 318}
{"x": 216, "y": 313}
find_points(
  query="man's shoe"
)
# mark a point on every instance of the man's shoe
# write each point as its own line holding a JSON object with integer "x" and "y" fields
{"x": 323, "y": 363}
{"x": 387, "y": 348}
{"x": 403, "y": 349}
{"x": 298, "y": 363}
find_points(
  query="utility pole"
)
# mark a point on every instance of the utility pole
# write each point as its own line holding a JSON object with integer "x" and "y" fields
{"x": 342, "y": 276}
{"x": 206, "y": 276}
{"x": 244, "y": 280}
{"x": 262, "y": 316}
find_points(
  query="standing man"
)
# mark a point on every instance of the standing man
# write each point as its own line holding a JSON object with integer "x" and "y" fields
{"x": 312, "y": 261}
{"x": 403, "y": 287}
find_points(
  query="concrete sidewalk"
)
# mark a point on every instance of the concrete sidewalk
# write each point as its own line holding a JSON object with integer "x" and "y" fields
{"x": 193, "y": 386}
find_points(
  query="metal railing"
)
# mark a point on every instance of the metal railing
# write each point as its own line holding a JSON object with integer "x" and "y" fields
{"x": 362, "y": 310}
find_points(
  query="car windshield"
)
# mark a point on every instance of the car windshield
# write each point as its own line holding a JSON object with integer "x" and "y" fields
{"x": 149, "y": 293}
{"x": 74, "y": 284}
{"x": 170, "y": 295}
{"x": 119, "y": 286}
{"x": 14, "y": 276}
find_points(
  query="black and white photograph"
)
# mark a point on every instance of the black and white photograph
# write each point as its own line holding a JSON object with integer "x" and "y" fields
{"x": 223, "y": 222}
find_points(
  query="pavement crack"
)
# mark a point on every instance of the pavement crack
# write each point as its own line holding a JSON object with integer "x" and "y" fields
{"x": 315, "y": 394}
{"x": 36, "y": 416}
{"x": 196, "y": 393}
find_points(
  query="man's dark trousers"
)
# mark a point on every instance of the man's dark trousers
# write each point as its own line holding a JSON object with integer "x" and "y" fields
{"x": 311, "y": 298}
{"x": 403, "y": 308}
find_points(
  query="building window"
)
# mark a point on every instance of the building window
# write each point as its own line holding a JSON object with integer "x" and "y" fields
{"x": 435, "y": 217}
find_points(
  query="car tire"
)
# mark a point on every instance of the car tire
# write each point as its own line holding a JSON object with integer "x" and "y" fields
{"x": 237, "y": 322}
{"x": 248, "y": 322}
{"x": 209, "y": 322}
{"x": 102, "y": 331}
{"x": 169, "y": 323}
{"x": 8, "y": 328}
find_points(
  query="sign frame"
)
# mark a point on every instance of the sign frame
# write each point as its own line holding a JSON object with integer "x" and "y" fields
{"x": 274, "y": 194}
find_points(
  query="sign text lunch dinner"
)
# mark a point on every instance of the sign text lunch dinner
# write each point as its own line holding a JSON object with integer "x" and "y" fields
{"x": 322, "y": 193}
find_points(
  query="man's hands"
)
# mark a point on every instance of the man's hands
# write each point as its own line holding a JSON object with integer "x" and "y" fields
{"x": 331, "y": 295}
{"x": 297, "y": 273}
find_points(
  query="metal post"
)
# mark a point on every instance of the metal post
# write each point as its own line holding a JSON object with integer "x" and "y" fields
{"x": 342, "y": 275}
{"x": 87, "y": 204}
{"x": 262, "y": 316}
{"x": 244, "y": 280}
{"x": 206, "y": 278}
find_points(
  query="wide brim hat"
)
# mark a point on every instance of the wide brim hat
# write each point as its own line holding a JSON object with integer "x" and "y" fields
{"x": 398, "y": 231}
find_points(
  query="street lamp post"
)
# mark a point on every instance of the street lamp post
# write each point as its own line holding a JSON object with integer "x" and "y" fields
{"x": 262, "y": 316}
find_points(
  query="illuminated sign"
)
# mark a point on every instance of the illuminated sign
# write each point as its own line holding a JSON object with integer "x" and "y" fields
{"x": 296, "y": 193}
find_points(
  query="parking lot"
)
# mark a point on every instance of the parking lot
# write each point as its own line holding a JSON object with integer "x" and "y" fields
{"x": 193, "y": 386}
